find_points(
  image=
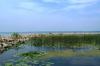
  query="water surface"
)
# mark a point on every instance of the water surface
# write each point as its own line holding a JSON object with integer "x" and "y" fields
{"x": 58, "y": 56}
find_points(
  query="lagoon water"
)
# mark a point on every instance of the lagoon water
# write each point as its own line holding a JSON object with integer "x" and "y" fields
{"x": 57, "y": 56}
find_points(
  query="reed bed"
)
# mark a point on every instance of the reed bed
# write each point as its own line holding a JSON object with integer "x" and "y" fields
{"x": 65, "y": 39}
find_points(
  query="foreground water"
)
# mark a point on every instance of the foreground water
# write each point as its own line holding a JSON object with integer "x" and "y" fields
{"x": 83, "y": 56}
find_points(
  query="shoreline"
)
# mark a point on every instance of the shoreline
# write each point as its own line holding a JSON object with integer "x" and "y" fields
{"x": 53, "y": 32}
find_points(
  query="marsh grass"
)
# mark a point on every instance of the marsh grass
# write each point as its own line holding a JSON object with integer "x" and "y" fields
{"x": 65, "y": 40}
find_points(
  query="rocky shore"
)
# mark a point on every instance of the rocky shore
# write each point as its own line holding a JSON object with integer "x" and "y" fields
{"x": 14, "y": 39}
{"x": 10, "y": 42}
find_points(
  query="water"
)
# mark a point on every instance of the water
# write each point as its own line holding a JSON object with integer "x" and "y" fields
{"x": 83, "y": 56}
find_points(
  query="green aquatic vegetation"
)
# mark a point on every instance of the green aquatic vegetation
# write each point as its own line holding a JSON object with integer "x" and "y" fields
{"x": 49, "y": 64}
{"x": 33, "y": 55}
{"x": 72, "y": 53}
{"x": 22, "y": 64}
{"x": 9, "y": 64}
{"x": 19, "y": 64}
{"x": 29, "y": 59}
{"x": 63, "y": 53}
{"x": 65, "y": 40}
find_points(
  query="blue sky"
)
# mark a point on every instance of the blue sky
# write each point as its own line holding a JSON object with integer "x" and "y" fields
{"x": 49, "y": 15}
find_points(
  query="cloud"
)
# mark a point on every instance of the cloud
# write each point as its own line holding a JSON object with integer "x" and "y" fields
{"x": 54, "y": 1}
{"x": 31, "y": 6}
{"x": 75, "y": 7}
{"x": 37, "y": 7}
{"x": 47, "y": 6}
{"x": 71, "y": 4}
{"x": 82, "y": 1}
{"x": 71, "y": 1}
{"x": 80, "y": 4}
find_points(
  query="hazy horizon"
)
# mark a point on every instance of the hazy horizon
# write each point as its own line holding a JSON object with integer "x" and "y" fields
{"x": 52, "y": 32}
{"x": 49, "y": 15}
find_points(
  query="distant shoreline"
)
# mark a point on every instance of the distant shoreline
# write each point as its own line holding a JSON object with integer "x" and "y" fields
{"x": 51, "y": 32}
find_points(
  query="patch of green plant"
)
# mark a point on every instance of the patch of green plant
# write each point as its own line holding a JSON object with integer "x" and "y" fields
{"x": 29, "y": 59}
{"x": 33, "y": 55}
{"x": 9, "y": 64}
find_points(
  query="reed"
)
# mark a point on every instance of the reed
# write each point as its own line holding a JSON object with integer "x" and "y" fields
{"x": 65, "y": 39}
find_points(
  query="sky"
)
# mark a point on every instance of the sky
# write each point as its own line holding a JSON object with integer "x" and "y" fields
{"x": 49, "y": 15}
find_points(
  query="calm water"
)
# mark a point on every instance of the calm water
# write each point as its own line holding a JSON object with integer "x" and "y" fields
{"x": 57, "y": 56}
